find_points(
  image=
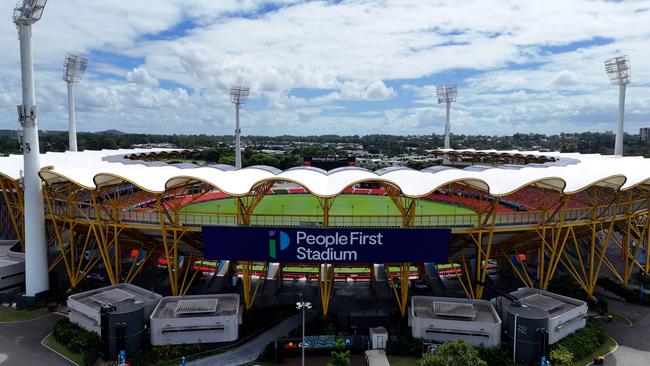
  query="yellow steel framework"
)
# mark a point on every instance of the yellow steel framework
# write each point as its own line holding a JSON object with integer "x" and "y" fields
{"x": 12, "y": 194}
{"x": 571, "y": 232}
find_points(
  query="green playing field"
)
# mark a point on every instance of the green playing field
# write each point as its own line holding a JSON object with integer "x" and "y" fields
{"x": 346, "y": 204}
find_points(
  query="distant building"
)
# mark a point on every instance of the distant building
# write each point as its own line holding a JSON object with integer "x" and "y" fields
{"x": 644, "y": 133}
{"x": 329, "y": 162}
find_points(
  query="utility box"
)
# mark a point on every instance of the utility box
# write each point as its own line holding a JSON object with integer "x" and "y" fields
{"x": 378, "y": 338}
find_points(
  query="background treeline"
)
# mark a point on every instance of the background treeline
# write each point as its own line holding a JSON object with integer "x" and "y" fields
{"x": 388, "y": 145}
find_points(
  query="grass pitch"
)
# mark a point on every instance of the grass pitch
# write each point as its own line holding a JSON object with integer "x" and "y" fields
{"x": 347, "y": 204}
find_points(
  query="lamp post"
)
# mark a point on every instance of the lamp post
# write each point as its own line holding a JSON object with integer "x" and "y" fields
{"x": 238, "y": 96}
{"x": 304, "y": 306}
{"x": 25, "y": 15}
{"x": 618, "y": 71}
{"x": 447, "y": 95}
{"x": 74, "y": 68}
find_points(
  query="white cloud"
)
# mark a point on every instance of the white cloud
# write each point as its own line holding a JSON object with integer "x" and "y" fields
{"x": 520, "y": 78}
{"x": 564, "y": 78}
{"x": 140, "y": 76}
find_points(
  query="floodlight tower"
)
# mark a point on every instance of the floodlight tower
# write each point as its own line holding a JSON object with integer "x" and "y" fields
{"x": 618, "y": 71}
{"x": 73, "y": 72}
{"x": 446, "y": 94}
{"x": 26, "y": 13}
{"x": 238, "y": 96}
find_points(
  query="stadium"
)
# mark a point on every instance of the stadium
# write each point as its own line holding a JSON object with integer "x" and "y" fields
{"x": 118, "y": 213}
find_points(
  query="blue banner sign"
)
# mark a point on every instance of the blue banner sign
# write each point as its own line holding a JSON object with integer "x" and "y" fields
{"x": 360, "y": 245}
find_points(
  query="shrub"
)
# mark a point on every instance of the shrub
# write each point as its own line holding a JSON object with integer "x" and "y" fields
{"x": 457, "y": 353}
{"x": 340, "y": 357}
{"x": 560, "y": 356}
{"x": 584, "y": 342}
{"x": 405, "y": 340}
{"x": 78, "y": 341}
{"x": 494, "y": 356}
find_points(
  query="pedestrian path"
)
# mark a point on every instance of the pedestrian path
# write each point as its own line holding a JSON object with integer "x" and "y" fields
{"x": 251, "y": 351}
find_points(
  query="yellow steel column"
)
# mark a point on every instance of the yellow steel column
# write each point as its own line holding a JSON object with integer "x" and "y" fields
{"x": 325, "y": 279}
{"x": 246, "y": 283}
{"x": 173, "y": 276}
{"x": 325, "y": 285}
{"x": 557, "y": 245}
{"x": 116, "y": 245}
{"x": 542, "y": 258}
{"x": 59, "y": 239}
{"x": 326, "y": 205}
{"x": 646, "y": 268}
{"x": 247, "y": 275}
{"x": 102, "y": 241}
{"x": 12, "y": 214}
{"x": 404, "y": 280}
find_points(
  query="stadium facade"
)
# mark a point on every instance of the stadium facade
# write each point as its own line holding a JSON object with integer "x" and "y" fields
{"x": 554, "y": 210}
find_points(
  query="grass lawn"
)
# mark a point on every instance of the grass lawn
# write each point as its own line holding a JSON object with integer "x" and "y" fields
{"x": 58, "y": 347}
{"x": 8, "y": 314}
{"x": 605, "y": 348}
{"x": 347, "y": 204}
{"x": 401, "y": 360}
{"x": 619, "y": 319}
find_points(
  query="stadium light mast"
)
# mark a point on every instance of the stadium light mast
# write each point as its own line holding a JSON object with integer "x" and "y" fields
{"x": 238, "y": 96}
{"x": 26, "y": 13}
{"x": 447, "y": 95}
{"x": 73, "y": 72}
{"x": 618, "y": 71}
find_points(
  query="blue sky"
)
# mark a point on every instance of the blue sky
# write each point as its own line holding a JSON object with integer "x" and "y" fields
{"x": 343, "y": 67}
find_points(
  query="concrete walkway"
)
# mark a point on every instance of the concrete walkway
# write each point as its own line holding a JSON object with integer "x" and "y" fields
{"x": 634, "y": 345}
{"x": 251, "y": 351}
{"x": 20, "y": 343}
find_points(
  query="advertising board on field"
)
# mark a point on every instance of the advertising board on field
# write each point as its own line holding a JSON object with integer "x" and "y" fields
{"x": 331, "y": 245}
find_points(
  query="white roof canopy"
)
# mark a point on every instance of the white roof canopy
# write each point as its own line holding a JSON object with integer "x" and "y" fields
{"x": 570, "y": 173}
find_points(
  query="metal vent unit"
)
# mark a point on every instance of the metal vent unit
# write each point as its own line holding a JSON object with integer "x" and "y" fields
{"x": 112, "y": 296}
{"x": 546, "y": 303}
{"x": 207, "y": 318}
{"x": 454, "y": 310}
{"x": 446, "y": 319}
{"x": 198, "y": 306}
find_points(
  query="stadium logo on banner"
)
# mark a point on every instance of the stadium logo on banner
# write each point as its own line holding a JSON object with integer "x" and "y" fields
{"x": 273, "y": 242}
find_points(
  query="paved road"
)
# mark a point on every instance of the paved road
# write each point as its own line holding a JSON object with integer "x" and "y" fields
{"x": 634, "y": 344}
{"x": 20, "y": 343}
{"x": 250, "y": 351}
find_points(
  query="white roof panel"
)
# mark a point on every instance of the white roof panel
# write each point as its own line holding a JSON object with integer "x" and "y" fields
{"x": 571, "y": 173}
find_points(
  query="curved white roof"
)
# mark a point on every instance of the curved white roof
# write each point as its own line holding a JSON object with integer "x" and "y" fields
{"x": 571, "y": 172}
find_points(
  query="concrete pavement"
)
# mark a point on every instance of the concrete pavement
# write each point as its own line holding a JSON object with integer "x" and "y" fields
{"x": 20, "y": 343}
{"x": 633, "y": 341}
{"x": 250, "y": 351}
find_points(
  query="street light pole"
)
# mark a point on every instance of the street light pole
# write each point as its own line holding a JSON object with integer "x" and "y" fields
{"x": 618, "y": 71}
{"x": 74, "y": 69}
{"x": 302, "y": 347}
{"x": 238, "y": 95}
{"x": 304, "y": 306}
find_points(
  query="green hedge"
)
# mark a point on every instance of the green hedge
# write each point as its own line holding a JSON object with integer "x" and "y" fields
{"x": 78, "y": 340}
{"x": 580, "y": 344}
{"x": 494, "y": 356}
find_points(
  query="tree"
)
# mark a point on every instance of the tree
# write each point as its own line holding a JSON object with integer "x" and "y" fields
{"x": 457, "y": 353}
{"x": 228, "y": 160}
{"x": 340, "y": 357}
{"x": 212, "y": 155}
